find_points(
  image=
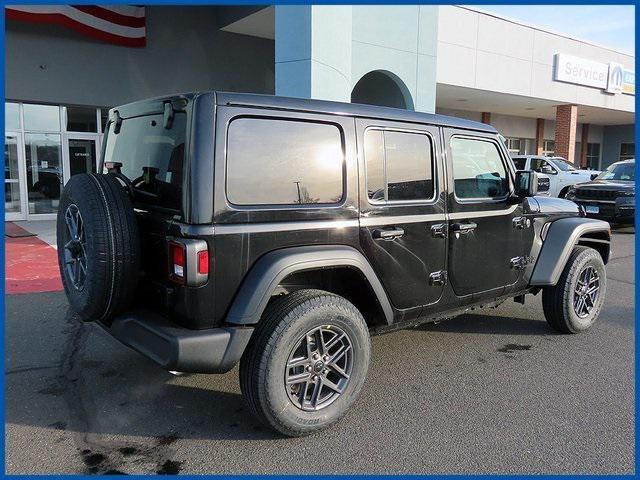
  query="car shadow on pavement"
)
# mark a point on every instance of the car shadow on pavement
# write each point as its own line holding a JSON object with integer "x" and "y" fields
{"x": 101, "y": 389}
{"x": 489, "y": 324}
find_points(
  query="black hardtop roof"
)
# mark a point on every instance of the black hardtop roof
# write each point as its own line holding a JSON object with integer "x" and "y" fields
{"x": 347, "y": 109}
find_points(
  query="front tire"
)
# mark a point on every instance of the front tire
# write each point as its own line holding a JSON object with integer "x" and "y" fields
{"x": 574, "y": 303}
{"x": 306, "y": 363}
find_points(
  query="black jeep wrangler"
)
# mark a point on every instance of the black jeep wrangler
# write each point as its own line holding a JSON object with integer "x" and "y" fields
{"x": 278, "y": 233}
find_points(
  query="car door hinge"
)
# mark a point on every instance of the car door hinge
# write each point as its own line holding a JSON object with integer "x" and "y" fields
{"x": 521, "y": 223}
{"x": 439, "y": 230}
{"x": 438, "y": 278}
{"x": 519, "y": 263}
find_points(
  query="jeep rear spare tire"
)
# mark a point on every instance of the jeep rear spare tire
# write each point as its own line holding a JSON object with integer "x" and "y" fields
{"x": 98, "y": 246}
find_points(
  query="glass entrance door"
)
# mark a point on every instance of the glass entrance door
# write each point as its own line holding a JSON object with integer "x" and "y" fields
{"x": 82, "y": 155}
{"x": 14, "y": 200}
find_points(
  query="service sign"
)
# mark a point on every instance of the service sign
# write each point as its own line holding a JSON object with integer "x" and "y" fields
{"x": 615, "y": 77}
{"x": 610, "y": 77}
{"x": 580, "y": 71}
{"x": 629, "y": 82}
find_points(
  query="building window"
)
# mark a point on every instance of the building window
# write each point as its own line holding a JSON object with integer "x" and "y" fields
{"x": 514, "y": 145}
{"x": 41, "y": 117}
{"x": 284, "y": 162}
{"x": 81, "y": 119}
{"x": 399, "y": 166}
{"x": 11, "y": 116}
{"x": 627, "y": 151}
{"x": 44, "y": 172}
{"x": 593, "y": 156}
{"x": 49, "y": 143}
{"x": 548, "y": 148}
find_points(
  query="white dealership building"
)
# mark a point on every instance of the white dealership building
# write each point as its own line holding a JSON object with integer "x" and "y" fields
{"x": 546, "y": 92}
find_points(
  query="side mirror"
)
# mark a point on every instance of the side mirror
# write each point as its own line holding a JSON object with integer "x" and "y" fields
{"x": 547, "y": 170}
{"x": 526, "y": 183}
{"x": 594, "y": 175}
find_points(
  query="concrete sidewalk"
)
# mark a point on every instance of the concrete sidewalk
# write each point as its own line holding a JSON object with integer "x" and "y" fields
{"x": 45, "y": 230}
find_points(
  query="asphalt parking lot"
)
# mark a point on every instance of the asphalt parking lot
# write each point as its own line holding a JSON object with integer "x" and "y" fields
{"x": 493, "y": 391}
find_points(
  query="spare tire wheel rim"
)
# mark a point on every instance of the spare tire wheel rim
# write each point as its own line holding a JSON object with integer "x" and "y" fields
{"x": 75, "y": 255}
{"x": 319, "y": 368}
{"x": 585, "y": 294}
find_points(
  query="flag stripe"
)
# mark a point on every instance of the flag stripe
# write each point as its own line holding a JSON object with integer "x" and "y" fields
{"x": 106, "y": 24}
{"x": 111, "y": 16}
{"x": 127, "y": 10}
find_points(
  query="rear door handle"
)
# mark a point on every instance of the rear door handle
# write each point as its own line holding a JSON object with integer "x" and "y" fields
{"x": 389, "y": 234}
{"x": 464, "y": 228}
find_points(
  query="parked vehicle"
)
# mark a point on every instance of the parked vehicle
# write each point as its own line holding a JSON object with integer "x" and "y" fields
{"x": 562, "y": 174}
{"x": 278, "y": 233}
{"x": 611, "y": 195}
{"x": 544, "y": 184}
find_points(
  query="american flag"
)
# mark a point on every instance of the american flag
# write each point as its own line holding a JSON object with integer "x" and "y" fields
{"x": 118, "y": 24}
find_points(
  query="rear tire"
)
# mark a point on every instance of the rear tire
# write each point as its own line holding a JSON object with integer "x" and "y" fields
{"x": 98, "y": 246}
{"x": 266, "y": 374}
{"x": 568, "y": 306}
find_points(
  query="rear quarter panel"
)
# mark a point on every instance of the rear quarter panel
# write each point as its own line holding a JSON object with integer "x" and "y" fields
{"x": 244, "y": 233}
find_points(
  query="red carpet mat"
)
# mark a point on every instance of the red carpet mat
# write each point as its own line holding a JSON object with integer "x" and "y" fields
{"x": 31, "y": 266}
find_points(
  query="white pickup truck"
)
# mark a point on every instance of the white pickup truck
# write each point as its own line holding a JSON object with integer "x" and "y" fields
{"x": 563, "y": 175}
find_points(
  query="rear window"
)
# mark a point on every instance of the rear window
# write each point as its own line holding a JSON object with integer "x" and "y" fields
{"x": 399, "y": 166}
{"x": 520, "y": 163}
{"x": 284, "y": 162}
{"x": 152, "y": 157}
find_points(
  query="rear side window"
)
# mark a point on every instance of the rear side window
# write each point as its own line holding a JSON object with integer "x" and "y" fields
{"x": 520, "y": 163}
{"x": 478, "y": 170}
{"x": 399, "y": 165}
{"x": 284, "y": 162}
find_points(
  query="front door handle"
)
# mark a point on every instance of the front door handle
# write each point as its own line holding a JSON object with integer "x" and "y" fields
{"x": 389, "y": 234}
{"x": 464, "y": 228}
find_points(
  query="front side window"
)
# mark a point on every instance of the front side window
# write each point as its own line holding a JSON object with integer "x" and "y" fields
{"x": 478, "y": 170}
{"x": 399, "y": 166}
{"x": 542, "y": 166}
{"x": 284, "y": 162}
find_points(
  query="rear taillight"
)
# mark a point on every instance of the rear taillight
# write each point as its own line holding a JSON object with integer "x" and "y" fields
{"x": 188, "y": 261}
{"x": 177, "y": 260}
{"x": 203, "y": 262}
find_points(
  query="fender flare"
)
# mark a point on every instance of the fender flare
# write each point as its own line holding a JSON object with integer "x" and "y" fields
{"x": 562, "y": 236}
{"x": 272, "y": 268}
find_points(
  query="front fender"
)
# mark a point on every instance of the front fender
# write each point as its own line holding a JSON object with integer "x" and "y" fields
{"x": 562, "y": 236}
{"x": 272, "y": 268}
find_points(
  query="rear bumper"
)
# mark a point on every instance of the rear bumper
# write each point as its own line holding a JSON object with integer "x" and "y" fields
{"x": 180, "y": 349}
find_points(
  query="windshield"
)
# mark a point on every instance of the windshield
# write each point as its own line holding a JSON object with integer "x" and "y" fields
{"x": 619, "y": 171}
{"x": 563, "y": 164}
{"x": 152, "y": 157}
